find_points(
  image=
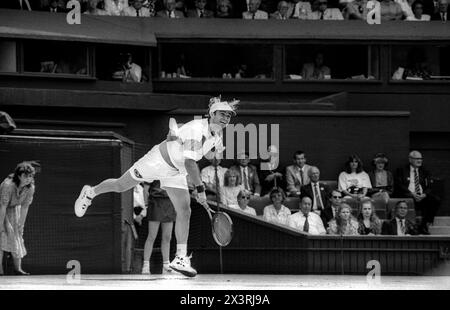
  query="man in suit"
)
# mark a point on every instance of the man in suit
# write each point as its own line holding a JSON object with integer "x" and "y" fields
{"x": 170, "y": 10}
{"x": 137, "y": 9}
{"x": 441, "y": 11}
{"x": 399, "y": 225}
{"x": 254, "y": 12}
{"x": 331, "y": 208}
{"x": 297, "y": 174}
{"x": 248, "y": 174}
{"x": 200, "y": 11}
{"x": 318, "y": 192}
{"x": 282, "y": 13}
{"x": 414, "y": 181}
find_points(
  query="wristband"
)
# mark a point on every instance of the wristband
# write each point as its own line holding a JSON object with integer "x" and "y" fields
{"x": 200, "y": 188}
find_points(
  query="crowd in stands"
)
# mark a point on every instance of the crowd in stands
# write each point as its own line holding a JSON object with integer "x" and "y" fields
{"x": 348, "y": 208}
{"x": 409, "y": 10}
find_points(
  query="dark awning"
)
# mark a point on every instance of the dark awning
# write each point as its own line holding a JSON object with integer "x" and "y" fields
{"x": 53, "y": 26}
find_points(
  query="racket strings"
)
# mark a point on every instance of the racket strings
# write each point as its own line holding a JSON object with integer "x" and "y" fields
{"x": 223, "y": 228}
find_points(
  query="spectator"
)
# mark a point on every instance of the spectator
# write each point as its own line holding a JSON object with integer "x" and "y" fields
{"x": 254, "y": 12}
{"x": 282, "y": 13}
{"x": 354, "y": 182}
{"x": 316, "y": 70}
{"x": 137, "y": 9}
{"x": 369, "y": 223}
{"x": 128, "y": 71}
{"x": 414, "y": 181}
{"x": 417, "y": 8}
{"x": 200, "y": 11}
{"x": 208, "y": 176}
{"x": 16, "y": 196}
{"x": 442, "y": 11}
{"x": 305, "y": 220}
{"x": 390, "y": 10}
{"x": 170, "y": 10}
{"x": 248, "y": 174}
{"x": 299, "y": 9}
{"x": 344, "y": 223}
{"x": 276, "y": 212}
{"x": 224, "y": 9}
{"x": 330, "y": 210}
{"x": 297, "y": 174}
{"x": 92, "y": 8}
{"x": 231, "y": 188}
{"x": 271, "y": 178}
{"x": 55, "y": 6}
{"x": 417, "y": 66}
{"x": 243, "y": 198}
{"x": 382, "y": 180}
{"x": 116, "y": 7}
{"x": 399, "y": 225}
{"x": 356, "y": 9}
{"x": 160, "y": 213}
{"x": 325, "y": 13}
{"x": 318, "y": 192}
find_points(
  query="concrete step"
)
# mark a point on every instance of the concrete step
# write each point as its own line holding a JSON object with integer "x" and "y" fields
{"x": 442, "y": 221}
{"x": 439, "y": 230}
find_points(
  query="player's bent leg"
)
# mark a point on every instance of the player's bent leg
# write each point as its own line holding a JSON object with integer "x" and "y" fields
{"x": 88, "y": 193}
{"x": 181, "y": 201}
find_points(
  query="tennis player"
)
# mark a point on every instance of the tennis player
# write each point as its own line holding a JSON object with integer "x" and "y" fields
{"x": 170, "y": 162}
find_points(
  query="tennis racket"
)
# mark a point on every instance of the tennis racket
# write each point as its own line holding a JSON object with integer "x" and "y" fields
{"x": 221, "y": 224}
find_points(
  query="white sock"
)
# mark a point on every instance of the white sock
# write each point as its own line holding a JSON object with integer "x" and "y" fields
{"x": 166, "y": 265}
{"x": 182, "y": 250}
{"x": 146, "y": 264}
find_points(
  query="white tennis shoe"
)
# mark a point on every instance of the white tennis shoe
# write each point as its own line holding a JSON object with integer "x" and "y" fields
{"x": 145, "y": 270}
{"x": 183, "y": 266}
{"x": 84, "y": 200}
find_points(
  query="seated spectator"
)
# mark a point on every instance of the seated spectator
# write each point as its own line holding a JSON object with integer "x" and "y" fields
{"x": 414, "y": 181}
{"x": 224, "y": 9}
{"x": 417, "y": 66}
{"x": 354, "y": 182}
{"x": 390, "y": 10}
{"x": 276, "y": 212}
{"x": 200, "y": 11}
{"x": 417, "y": 8}
{"x": 297, "y": 174}
{"x": 137, "y": 9}
{"x": 356, "y": 9}
{"x": 243, "y": 198}
{"x": 254, "y": 12}
{"x": 344, "y": 223}
{"x": 248, "y": 174}
{"x": 317, "y": 191}
{"x": 441, "y": 11}
{"x": 271, "y": 178}
{"x": 305, "y": 220}
{"x": 331, "y": 208}
{"x": 208, "y": 175}
{"x": 116, "y": 7}
{"x": 55, "y": 6}
{"x": 325, "y": 13}
{"x": 381, "y": 179}
{"x": 282, "y": 13}
{"x": 399, "y": 225}
{"x": 93, "y": 9}
{"x": 128, "y": 71}
{"x": 170, "y": 10}
{"x": 316, "y": 70}
{"x": 299, "y": 9}
{"x": 231, "y": 188}
{"x": 369, "y": 223}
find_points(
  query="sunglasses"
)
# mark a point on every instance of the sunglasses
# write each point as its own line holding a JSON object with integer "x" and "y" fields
{"x": 244, "y": 197}
{"x": 337, "y": 197}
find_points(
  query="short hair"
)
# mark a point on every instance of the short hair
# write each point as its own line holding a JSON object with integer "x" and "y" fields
{"x": 311, "y": 169}
{"x": 277, "y": 190}
{"x": 243, "y": 192}
{"x": 400, "y": 202}
{"x": 350, "y": 159}
{"x": 415, "y": 3}
{"x": 299, "y": 152}
{"x": 229, "y": 173}
{"x": 23, "y": 168}
{"x": 226, "y": 2}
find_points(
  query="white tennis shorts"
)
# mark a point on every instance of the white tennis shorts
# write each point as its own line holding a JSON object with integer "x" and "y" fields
{"x": 152, "y": 166}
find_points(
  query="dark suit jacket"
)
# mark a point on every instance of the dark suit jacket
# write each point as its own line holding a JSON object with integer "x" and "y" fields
{"x": 402, "y": 181}
{"x": 325, "y": 191}
{"x": 194, "y": 13}
{"x": 390, "y": 227}
{"x": 253, "y": 179}
{"x": 390, "y": 183}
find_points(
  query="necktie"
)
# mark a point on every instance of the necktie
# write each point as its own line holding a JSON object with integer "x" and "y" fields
{"x": 201, "y": 14}
{"x": 137, "y": 12}
{"x": 317, "y": 196}
{"x": 306, "y": 225}
{"x": 293, "y": 11}
{"x": 301, "y": 177}
{"x": 244, "y": 175}
{"x": 253, "y": 16}
{"x": 402, "y": 226}
{"x": 321, "y": 15}
{"x": 416, "y": 182}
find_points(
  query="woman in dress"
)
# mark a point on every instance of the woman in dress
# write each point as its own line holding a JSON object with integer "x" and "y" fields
{"x": 344, "y": 223}
{"x": 369, "y": 223}
{"x": 231, "y": 187}
{"x": 277, "y": 212}
{"x": 16, "y": 195}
